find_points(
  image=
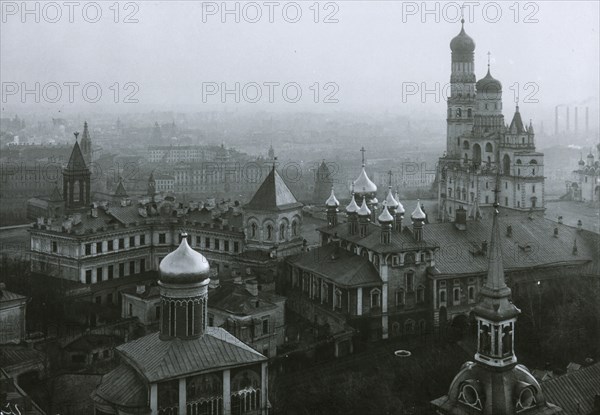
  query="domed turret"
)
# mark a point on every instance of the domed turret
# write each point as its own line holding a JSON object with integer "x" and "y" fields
{"x": 184, "y": 265}
{"x": 488, "y": 84}
{"x": 352, "y": 206}
{"x": 385, "y": 216}
{"x": 390, "y": 200}
{"x": 400, "y": 209}
{"x": 332, "y": 200}
{"x": 364, "y": 209}
{"x": 418, "y": 213}
{"x": 363, "y": 184}
{"x": 462, "y": 43}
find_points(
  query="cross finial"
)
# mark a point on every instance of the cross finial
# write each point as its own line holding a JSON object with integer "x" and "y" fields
{"x": 76, "y": 133}
{"x": 462, "y": 15}
{"x": 363, "y": 151}
{"x": 489, "y": 55}
{"x": 274, "y": 162}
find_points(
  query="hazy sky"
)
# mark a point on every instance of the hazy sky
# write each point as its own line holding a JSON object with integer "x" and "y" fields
{"x": 372, "y": 49}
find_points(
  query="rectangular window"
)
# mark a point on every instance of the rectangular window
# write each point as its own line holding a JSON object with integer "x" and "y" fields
{"x": 410, "y": 280}
{"x": 54, "y": 246}
{"x": 88, "y": 276}
{"x": 226, "y": 246}
{"x": 265, "y": 325}
{"x": 88, "y": 249}
{"x": 198, "y": 241}
{"x": 211, "y": 320}
{"x": 121, "y": 243}
{"x": 98, "y": 300}
{"x": 533, "y": 188}
{"x": 442, "y": 298}
{"x": 131, "y": 267}
{"x": 109, "y": 246}
{"x": 207, "y": 242}
{"x": 471, "y": 294}
{"x": 157, "y": 312}
{"x": 122, "y": 269}
{"x": 110, "y": 272}
{"x": 506, "y": 201}
{"x": 236, "y": 247}
{"x": 98, "y": 247}
{"x": 131, "y": 241}
{"x": 142, "y": 264}
{"x": 487, "y": 199}
{"x": 109, "y": 298}
{"x": 162, "y": 238}
{"x": 99, "y": 275}
{"x": 217, "y": 244}
{"x": 142, "y": 239}
{"x": 506, "y": 185}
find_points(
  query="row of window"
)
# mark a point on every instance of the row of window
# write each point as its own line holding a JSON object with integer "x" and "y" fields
{"x": 111, "y": 273}
{"x": 112, "y": 246}
{"x": 269, "y": 231}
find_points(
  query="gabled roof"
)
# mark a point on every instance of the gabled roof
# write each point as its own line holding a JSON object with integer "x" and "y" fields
{"x": 345, "y": 269}
{"x": 76, "y": 161}
{"x": 124, "y": 387}
{"x": 158, "y": 360}
{"x": 273, "y": 194}
{"x": 236, "y": 299}
{"x": 55, "y": 196}
{"x": 574, "y": 391}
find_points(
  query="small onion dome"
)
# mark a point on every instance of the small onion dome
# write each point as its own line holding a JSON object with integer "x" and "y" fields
{"x": 332, "y": 201}
{"x": 363, "y": 184}
{"x": 581, "y": 162}
{"x": 488, "y": 84}
{"x": 374, "y": 201}
{"x": 184, "y": 265}
{"x": 352, "y": 206}
{"x": 390, "y": 200}
{"x": 364, "y": 210}
{"x": 400, "y": 208}
{"x": 462, "y": 43}
{"x": 590, "y": 156}
{"x": 418, "y": 213}
{"x": 385, "y": 216}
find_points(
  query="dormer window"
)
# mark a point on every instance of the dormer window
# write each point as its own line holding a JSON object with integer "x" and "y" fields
{"x": 469, "y": 396}
{"x": 526, "y": 399}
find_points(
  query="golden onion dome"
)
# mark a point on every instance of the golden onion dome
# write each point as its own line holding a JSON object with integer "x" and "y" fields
{"x": 332, "y": 200}
{"x": 418, "y": 213}
{"x": 363, "y": 184}
{"x": 385, "y": 216}
{"x": 364, "y": 209}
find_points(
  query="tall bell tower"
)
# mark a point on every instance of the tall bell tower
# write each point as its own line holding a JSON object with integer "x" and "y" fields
{"x": 461, "y": 102}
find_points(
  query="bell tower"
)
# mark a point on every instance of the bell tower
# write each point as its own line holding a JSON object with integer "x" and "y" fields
{"x": 461, "y": 102}
{"x": 76, "y": 180}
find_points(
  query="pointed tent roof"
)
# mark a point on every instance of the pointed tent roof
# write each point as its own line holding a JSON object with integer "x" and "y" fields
{"x": 385, "y": 216}
{"x": 55, "y": 196}
{"x": 121, "y": 189}
{"x": 418, "y": 213}
{"x": 332, "y": 200}
{"x": 516, "y": 125}
{"x": 86, "y": 134}
{"x": 76, "y": 161}
{"x": 273, "y": 194}
{"x": 495, "y": 303}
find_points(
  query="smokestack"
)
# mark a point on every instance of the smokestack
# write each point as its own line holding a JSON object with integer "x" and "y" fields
{"x": 252, "y": 287}
{"x": 587, "y": 120}
{"x": 575, "y": 120}
{"x": 568, "y": 119}
{"x": 556, "y": 120}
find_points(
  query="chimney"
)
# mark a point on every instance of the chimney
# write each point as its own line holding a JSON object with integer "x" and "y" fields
{"x": 556, "y": 232}
{"x": 484, "y": 247}
{"x": 579, "y": 225}
{"x": 460, "y": 220}
{"x": 509, "y": 231}
{"x": 575, "y": 120}
{"x": 94, "y": 212}
{"x": 560, "y": 220}
{"x": 140, "y": 289}
{"x": 575, "y": 246}
{"x": 587, "y": 120}
{"x": 335, "y": 241}
{"x": 252, "y": 287}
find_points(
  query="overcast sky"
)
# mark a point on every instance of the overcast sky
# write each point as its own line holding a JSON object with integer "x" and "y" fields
{"x": 372, "y": 49}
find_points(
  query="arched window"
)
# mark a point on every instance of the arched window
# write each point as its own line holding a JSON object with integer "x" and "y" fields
{"x": 269, "y": 232}
{"x": 395, "y": 328}
{"x": 477, "y": 153}
{"x": 420, "y": 294}
{"x": 422, "y": 326}
{"x": 469, "y": 113}
{"x": 282, "y": 232}
{"x": 294, "y": 228}
{"x": 459, "y": 112}
{"x": 253, "y": 229}
{"x": 375, "y": 298}
{"x": 466, "y": 145}
{"x": 409, "y": 326}
{"x": 376, "y": 262}
{"x": 76, "y": 191}
{"x": 506, "y": 164}
{"x": 532, "y": 161}
{"x": 488, "y": 148}
{"x": 338, "y": 298}
{"x": 410, "y": 278}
